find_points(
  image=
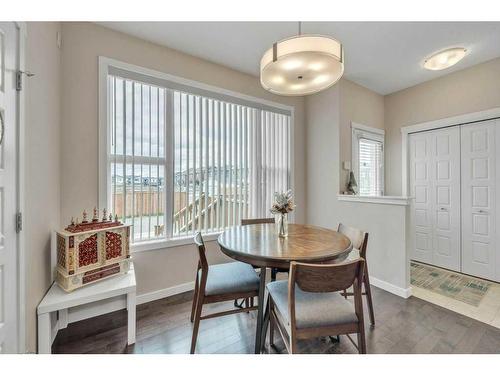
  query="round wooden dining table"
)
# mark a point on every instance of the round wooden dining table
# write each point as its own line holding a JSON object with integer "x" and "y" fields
{"x": 260, "y": 246}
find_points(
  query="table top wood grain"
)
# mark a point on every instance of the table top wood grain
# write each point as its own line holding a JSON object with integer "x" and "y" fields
{"x": 260, "y": 245}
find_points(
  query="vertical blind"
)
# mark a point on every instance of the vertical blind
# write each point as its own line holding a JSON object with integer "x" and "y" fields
{"x": 137, "y": 160}
{"x": 370, "y": 160}
{"x": 274, "y": 163}
{"x": 226, "y": 159}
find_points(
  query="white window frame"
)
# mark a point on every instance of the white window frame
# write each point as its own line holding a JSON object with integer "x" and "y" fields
{"x": 359, "y": 131}
{"x": 104, "y": 177}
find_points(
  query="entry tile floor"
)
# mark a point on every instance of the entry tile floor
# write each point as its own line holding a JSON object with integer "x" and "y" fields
{"x": 487, "y": 312}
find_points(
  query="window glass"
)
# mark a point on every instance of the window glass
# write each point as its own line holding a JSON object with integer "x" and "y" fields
{"x": 226, "y": 160}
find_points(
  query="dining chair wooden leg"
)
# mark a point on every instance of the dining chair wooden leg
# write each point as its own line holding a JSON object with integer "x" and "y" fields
{"x": 345, "y": 293}
{"x": 265, "y": 325}
{"x": 368, "y": 291}
{"x": 293, "y": 345}
{"x": 273, "y": 274}
{"x": 199, "y": 307}
{"x": 195, "y": 298}
{"x": 260, "y": 311}
{"x": 271, "y": 323}
{"x": 361, "y": 339}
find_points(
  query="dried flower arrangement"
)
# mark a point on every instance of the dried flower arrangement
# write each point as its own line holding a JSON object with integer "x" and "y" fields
{"x": 282, "y": 206}
{"x": 283, "y": 203}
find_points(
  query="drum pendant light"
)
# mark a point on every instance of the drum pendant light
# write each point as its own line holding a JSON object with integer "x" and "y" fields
{"x": 302, "y": 65}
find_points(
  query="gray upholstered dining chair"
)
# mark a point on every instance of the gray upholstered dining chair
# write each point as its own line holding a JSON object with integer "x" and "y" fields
{"x": 220, "y": 282}
{"x": 309, "y": 304}
{"x": 359, "y": 240}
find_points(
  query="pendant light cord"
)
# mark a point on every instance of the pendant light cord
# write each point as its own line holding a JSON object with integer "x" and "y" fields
{"x": 300, "y": 28}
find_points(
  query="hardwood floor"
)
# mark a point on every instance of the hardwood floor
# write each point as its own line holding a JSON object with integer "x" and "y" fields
{"x": 163, "y": 326}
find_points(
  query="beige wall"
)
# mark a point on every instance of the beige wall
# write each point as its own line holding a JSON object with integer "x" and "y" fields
{"x": 360, "y": 105}
{"x": 322, "y": 119}
{"x": 385, "y": 223}
{"x": 43, "y": 94}
{"x": 332, "y": 111}
{"x": 469, "y": 90}
{"x": 82, "y": 44}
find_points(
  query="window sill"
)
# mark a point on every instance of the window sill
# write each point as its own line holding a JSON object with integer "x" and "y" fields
{"x": 173, "y": 242}
{"x": 386, "y": 199}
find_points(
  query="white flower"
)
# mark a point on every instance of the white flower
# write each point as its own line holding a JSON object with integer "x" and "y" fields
{"x": 283, "y": 203}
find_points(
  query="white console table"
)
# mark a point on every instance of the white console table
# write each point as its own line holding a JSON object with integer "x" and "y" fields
{"x": 59, "y": 308}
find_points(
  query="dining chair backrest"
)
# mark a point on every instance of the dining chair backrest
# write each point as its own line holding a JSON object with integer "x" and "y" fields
{"x": 324, "y": 278}
{"x": 267, "y": 220}
{"x": 359, "y": 239}
{"x": 198, "y": 240}
{"x": 327, "y": 278}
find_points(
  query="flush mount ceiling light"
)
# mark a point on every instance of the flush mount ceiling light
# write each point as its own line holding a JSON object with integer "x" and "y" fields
{"x": 302, "y": 65}
{"x": 444, "y": 59}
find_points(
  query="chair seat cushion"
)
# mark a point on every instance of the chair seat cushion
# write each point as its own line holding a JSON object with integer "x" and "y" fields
{"x": 231, "y": 278}
{"x": 312, "y": 310}
{"x": 353, "y": 255}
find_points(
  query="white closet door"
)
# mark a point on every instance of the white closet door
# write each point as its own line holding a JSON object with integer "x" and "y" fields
{"x": 480, "y": 146}
{"x": 446, "y": 197}
{"x": 421, "y": 204}
{"x": 435, "y": 183}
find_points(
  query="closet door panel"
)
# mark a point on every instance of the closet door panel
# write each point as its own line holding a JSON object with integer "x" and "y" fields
{"x": 479, "y": 199}
{"x": 435, "y": 191}
{"x": 421, "y": 210}
{"x": 446, "y": 197}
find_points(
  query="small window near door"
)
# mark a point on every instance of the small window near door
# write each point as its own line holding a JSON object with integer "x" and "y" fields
{"x": 368, "y": 159}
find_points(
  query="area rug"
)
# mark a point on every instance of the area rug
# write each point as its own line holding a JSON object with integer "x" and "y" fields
{"x": 450, "y": 284}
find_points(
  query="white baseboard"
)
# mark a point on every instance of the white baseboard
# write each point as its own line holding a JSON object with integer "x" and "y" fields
{"x": 186, "y": 287}
{"x": 391, "y": 288}
{"x": 163, "y": 293}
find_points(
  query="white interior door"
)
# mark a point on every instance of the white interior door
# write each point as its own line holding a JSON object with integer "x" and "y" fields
{"x": 446, "y": 197}
{"x": 420, "y": 191}
{"x": 480, "y": 150}
{"x": 8, "y": 191}
{"x": 435, "y": 191}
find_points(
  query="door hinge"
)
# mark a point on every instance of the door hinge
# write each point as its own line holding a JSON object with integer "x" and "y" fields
{"x": 19, "y": 222}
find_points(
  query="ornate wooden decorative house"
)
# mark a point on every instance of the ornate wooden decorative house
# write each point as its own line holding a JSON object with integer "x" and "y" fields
{"x": 91, "y": 251}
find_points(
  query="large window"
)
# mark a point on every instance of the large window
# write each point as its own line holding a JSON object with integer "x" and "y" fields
{"x": 181, "y": 159}
{"x": 368, "y": 159}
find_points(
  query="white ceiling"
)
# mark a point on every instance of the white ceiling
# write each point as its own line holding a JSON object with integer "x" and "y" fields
{"x": 382, "y": 56}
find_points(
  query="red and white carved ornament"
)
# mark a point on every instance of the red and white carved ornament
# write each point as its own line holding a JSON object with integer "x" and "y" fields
{"x": 113, "y": 245}
{"x": 87, "y": 251}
